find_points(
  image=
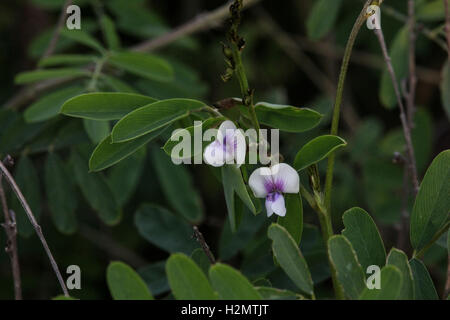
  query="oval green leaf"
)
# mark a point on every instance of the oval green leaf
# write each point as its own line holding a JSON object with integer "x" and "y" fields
{"x": 49, "y": 105}
{"x": 362, "y": 232}
{"x": 390, "y": 284}
{"x": 107, "y": 153}
{"x": 96, "y": 191}
{"x": 432, "y": 204}
{"x": 178, "y": 187}
{"x": 316, "y": 150}
{"x": 59, "y": 188}
{"x": 231, "y": 284}
{"x": 399, "y": 259}
{"x": 104, "y": 105}
{"x": 291, "y": 260}
{"x": 322, "y": 18}
{"x": 38, "y": 75}
{"x": 285, "y": 118}
{"x": 187, "y": 280}
{"x": 423, "y": 285}
{"x": 143, "y": 65}
{"x": 152, "y": 117}
{"x": 348, "y": 270}
{"x": 164, "y": 229}
{"x": 293, "y": 220}
{"x": 125, "y": 284}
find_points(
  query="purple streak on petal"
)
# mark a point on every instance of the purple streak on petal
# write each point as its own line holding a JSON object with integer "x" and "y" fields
{"x": 274, "y": 187}
{"x": 272, "y": 197}
{"x": 279, "y": 185}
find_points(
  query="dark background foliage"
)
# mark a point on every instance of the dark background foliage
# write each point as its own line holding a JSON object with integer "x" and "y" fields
{"x": 365, "y": 174}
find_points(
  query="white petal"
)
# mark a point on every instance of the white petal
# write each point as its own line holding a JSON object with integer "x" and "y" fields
{"x": 214, "y": 154}
{"x": 269, "y": 208}
{"x": 288, "y": 176}
{"x": 224, "y": 128}
{"x": 278, "y": 206}
{"x": 241, "y": 148}
{"x": 258, "y": 180}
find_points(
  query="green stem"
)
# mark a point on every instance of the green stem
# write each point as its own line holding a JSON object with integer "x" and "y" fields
{"x": 327, "y": 232}
{"x": 436, "y": 237}
{"x": 337, "y": 104}
{"x": 247, "y": 96}
{"x": 98, "y": 69}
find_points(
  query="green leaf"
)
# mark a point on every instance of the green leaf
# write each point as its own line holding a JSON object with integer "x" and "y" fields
{"x": 66, "y": 59}
{"x": 322, "y": 18}
{"x": 313, "y": 249}
{"x": 187, "y": 280}
{"x": 109, "y": 32}
{"x": 60, "y": 192}
{"x": 316, "y": 150}
{"x": 349, "y": 272}
{"x": 45, "y": 74}
{"x": 432, "y": 10}
{"x": 445, "y": 89}
{"x": 291, "y": 260}
{"x": 399, "y": 259}
{"x": 49, "y": 105}
{"x": 269, "y": 293}
{"x": 362, "y": 232}
{"x": 231, "y": 284}
{"x": 179, "y": 136}
{"x": 155, "y": 276}
{"x": 83, "y": 38}
{"x": 27, "y": 179}
{"x": 123, "y": 179}
{"x": 431, "y": 207}
{"x": 163, "y": 229}
{"x": 107, "y": 153}
{"x": 201, "y": 259}
{"x": 96, "y": 130}
{"x": 233, "y": 242}
{"x": 177, "y": 185}
{"x": 104, "y": 105}
{"x": 96, "y": 191}
{"x": 125, "y": 284}
{"x": 399, "y": 57}
{"x": 117, "y": 85}
{"x": 152, "y": 117}
{"x": 285, "y": 118}
{"x": 233, "y": 183}
{"x": 423, "y": 285}
{"x": 391, "y": 282}
{"x": 143, "y": 64}
{"x": 293, "y": 220}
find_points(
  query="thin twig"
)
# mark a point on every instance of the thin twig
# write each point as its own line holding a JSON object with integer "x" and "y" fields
{"x": 201, "y": 240}
{"x": 410, "y": 99}
{"x": 200, "y": 23}
{"x": 410, "y": 95}
{"x": 11, "y": 242}
{"x": 36, "y": 226}
{"x": 295, "y": 52}
{"x": 411, "y": 161}
{"x": 54, "y": 40}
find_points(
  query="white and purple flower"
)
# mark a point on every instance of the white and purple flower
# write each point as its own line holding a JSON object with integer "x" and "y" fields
{"x": 271, "y": 183}
{"x": 228, "y": 148}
